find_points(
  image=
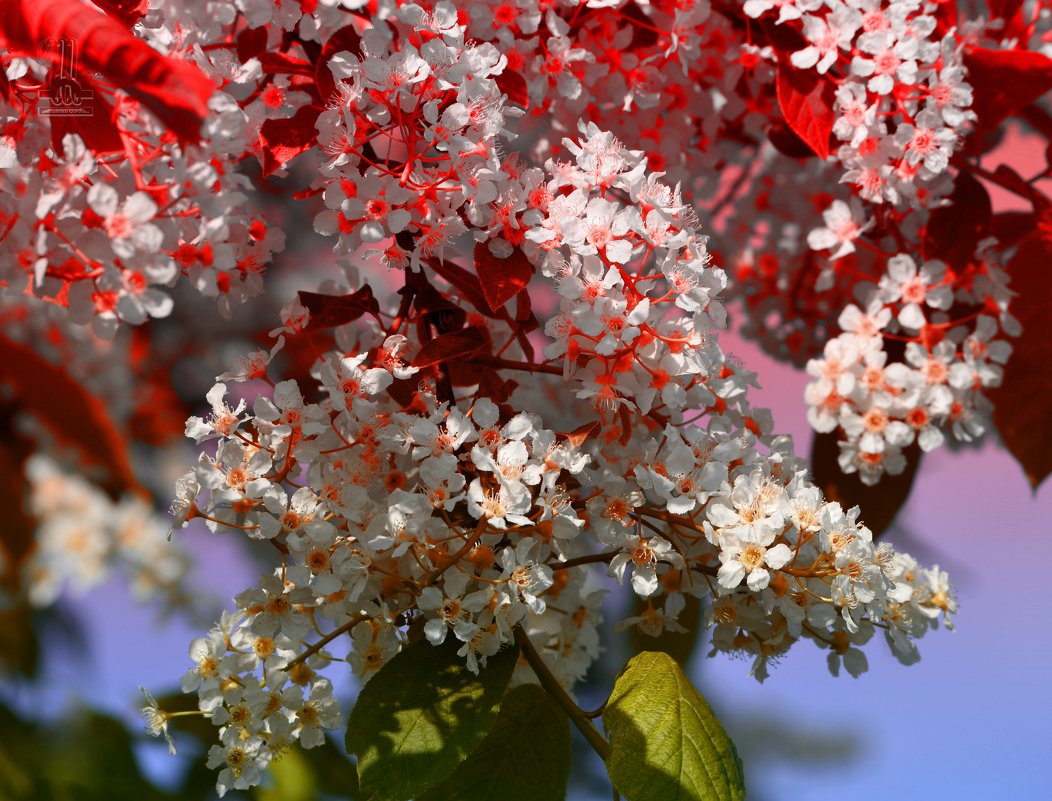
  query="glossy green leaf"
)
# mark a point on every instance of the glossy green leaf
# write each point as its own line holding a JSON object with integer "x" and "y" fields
{"x": 525, "y": 757}
{"x": 421, "y": 715}
{"x": 666, "y": 745}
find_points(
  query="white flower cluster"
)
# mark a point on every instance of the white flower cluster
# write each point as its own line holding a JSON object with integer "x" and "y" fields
{"x": 82, "y": 535}
{"x": 465, "y": 518}
{"x": 429, "y": 100}
{"x": 879, "y": 49}
{"x": 105, "y": 236}
{"x": 881, "y": 407}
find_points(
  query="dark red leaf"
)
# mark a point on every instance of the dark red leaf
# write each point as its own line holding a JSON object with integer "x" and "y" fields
{"x": 327, "y": 311}
{"x": 159, "y": 416}
{"x": 954, "y": 231}
{"x": 435, "y": 309}
{"x": 284, "y": 64}
{"x": 454, "y": 345}
{"x": 466, "y": 284}
{"x": 1004, "y": 81}
{"x": 879, "y": 503}
{"x": 1004, "y": 9}
{"x": 513, "y": 85}
{"x": 74, "y": 416}
{"x": 487, "y": 379}
{"x": 492, "y": 386}
{"x": 96, "y": 126}
{"x": 806, "y": 99}
{"x": 347, "y": 39}
{"x": 945, "y": 15}
{"x": 281, "y": 140}
{"x": 176, "y": 91}
{"x": 501, "y": 279}
{"x": 19, "y": 646}
{"x": 16, "y": 540}
{"x": 127, "y": 12}
{"x": 1023, "y": 402}
{"x": 1011, "y": 226}
{"x": 644, "y": 34}
{"x": 251, "y": 43}
{"x": 786, "y": 142}
{"x": 582, "y": 433}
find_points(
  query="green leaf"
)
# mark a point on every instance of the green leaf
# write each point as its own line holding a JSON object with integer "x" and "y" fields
{"x": 292, "y": 778}
{"x": 525, "y": 757}
{"x": 666, "y": 745}
{"x": 421, "y": 715}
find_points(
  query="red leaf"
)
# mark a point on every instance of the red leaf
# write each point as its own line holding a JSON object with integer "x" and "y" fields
{"x": 492, "y": 386}
{"x": 251, "y": 43}
{"x": 879, "y": 503}
{"x": 582, "y": 433}
{"x": 945, "y": 15}
{"x": 501, "y": 279}
{"x": 465, "y": 283}
{"x": 284, "y": 64}
{"x": 347, "y": 39}
{"x": 454, "y": 345}
{"x": 127, "y": 12}
{"x": 806, "y": 100}
{"x": 513, "y": 85}
{"x": 954, "y": 231}
{"x": 1011, "y": 226}
{"x": 1004, "y": 9}
{"x": 17, "y": 540}
{"x": 327, "y": 311}
{"x": 284, "y": 139}
{"x": 786, "y": 142}
{"x": 75, "y": 417}
{"x": 97, "y": 127}
{"x": 1023, "y": 402}
{"x": 176, "y": 91}
{"x": 644, "y": 34}
{"x": 1004, "y": 81}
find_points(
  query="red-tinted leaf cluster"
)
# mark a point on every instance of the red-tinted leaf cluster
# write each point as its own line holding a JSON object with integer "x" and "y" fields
{"x": 501, "y": 279}
{"x": 806, "y": 99}
{"x": 881, "y": 502}
{"x": 281, "y": 140}
{"x": 953, "y": 232}
{"x": 1023, "y": 402}
{"x": 1005, "y": 81}
{"x": 328, "y": 311}
{"x": 75, "y": 417}
{"x": 175, "y": 91}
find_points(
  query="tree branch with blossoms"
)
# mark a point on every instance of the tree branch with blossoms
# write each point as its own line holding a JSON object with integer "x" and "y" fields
{"x": 512, "y": 400}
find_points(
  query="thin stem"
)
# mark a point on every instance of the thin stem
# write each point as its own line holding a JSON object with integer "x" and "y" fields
{"x": 584, "y": 560}
{"x": 332, "y": 635}
{"x": 562, "y": 698}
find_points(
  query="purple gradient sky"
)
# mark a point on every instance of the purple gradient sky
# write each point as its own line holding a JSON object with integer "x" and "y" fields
{"x": 971, "y": 719}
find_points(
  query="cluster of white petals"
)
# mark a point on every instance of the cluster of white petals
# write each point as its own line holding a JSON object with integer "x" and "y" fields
{"x": 467, "y": 519}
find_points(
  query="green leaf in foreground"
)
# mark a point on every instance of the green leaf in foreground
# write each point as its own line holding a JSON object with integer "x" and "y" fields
{"x": 525, "y": 757}
{"x": 421, "y": 715}
{"x": 666, "y": 745}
